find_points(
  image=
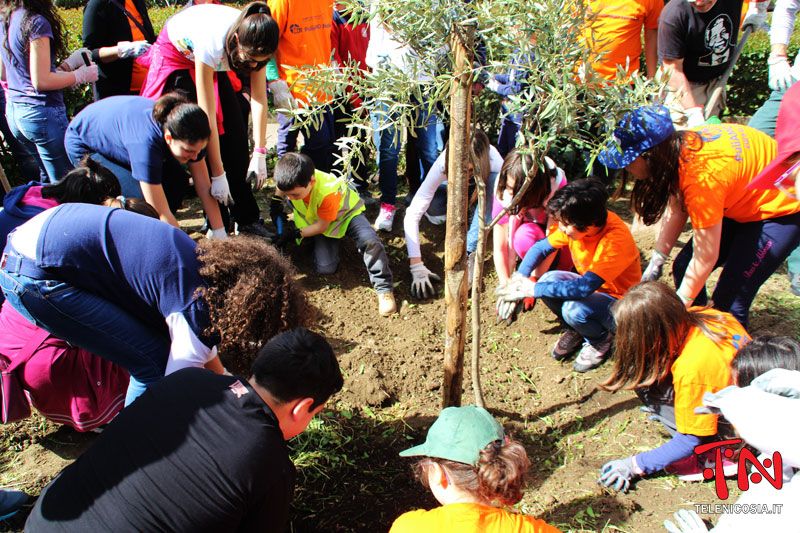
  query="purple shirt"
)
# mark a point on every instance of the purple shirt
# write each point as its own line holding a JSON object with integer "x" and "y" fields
{"x": 20, "y": 88}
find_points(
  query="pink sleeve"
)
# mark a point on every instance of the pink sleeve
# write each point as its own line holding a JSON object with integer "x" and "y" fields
{"x": 34, "y": 197}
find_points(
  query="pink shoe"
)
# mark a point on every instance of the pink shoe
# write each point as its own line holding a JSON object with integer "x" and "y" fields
{"x": 385, "y": 218}
{"x": 691, "y": 468}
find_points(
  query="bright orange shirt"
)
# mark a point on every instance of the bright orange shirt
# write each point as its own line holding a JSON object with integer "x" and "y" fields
{"x": 468, "y": 518}
{"x": 139, "y": 71}
{"x": 713, "y": 179}
{"x": 329, "y": 207}
{"x": 618, "y": 31}
{"x": 611, "y": 254}
{"x": 704, "y": 366}
{"x": 305, "y": 40}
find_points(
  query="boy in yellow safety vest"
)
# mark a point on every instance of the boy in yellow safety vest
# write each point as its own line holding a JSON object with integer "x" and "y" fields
{"x": 328, "y": 208}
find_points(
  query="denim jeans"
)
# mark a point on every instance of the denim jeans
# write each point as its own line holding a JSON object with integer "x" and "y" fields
{"x": 766, "y": 117}
{"x": 92, "y": 323}
{"x": 326, "y": 253}
{"x": 40, "y": 131}
{"x": 749, "y": 253}
{"x": 318, "y": 142}
{"x": 591, "y": 316}
{"x": 507, "y": 139}
{"x": 438, "y": 207}
{"x": 28, "y": 164}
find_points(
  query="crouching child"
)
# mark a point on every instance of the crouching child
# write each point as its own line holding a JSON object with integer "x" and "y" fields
{"x": 327, "y": 209}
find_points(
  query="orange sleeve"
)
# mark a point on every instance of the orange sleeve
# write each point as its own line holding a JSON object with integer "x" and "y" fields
{"x": 279, "y": 10}
{"x": 557, "y": 239}
{"x": 614, "y": 255}
{"x": 654, "y": 8}
{"x": 329, "y": 207}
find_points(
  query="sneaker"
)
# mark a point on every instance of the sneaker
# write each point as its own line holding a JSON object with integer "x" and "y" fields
{"x": 11, "y": 501}
{"x": 436, "y": 220}
{"x": 794, "y": 282}
{"x": 566, "y": 345}
{"x": 691, "y": 468}
{"x": 256, "y": 229}
{"x": 385, "y": 218}
{"x": 386, "y": 304}
{"x": 592, "y": 355}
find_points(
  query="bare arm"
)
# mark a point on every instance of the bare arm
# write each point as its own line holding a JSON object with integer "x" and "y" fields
{"x": 705, "y": 252}
{"x": 202, "y": 186}
{"x": 316, "y": 228}
{"x": 671, "y": 226}
{"x": 215, "y": 365}
{"x": 678, "y": 81}
{"x": 41, "y": 77}
{"x": 154, "y": 195}
{"x": 258, "y": 104}
{"x": 206, "y": 99}
{"x": 500, "y": 256}
{"x": 651, "y": 51}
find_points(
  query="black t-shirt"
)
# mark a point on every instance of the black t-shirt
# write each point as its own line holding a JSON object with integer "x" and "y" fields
{"x": 196, "y": 452}
{"x": 705, "y": 41}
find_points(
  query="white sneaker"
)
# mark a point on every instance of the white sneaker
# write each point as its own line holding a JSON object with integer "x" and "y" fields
{"x": 386, "y": 304}
{"x": 436, "y": 220}
{"x": 385, "y": 218}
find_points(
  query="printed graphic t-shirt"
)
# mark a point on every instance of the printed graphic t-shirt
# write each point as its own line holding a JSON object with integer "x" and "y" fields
{"x": 468, "y": 518}
{"x": 713, "y": 179}
{"x": 199, "y": 32}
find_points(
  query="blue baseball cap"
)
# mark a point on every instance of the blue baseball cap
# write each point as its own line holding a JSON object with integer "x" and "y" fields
{"x": 638, "y": 131}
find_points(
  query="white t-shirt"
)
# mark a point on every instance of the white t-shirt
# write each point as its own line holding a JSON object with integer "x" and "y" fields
{"x": 199, "y": 32}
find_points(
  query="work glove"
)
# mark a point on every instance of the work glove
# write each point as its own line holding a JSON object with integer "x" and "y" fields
{"x": 618, "y": 473}
{"x": 756, "y": 15}
{"x": 780, "y": 72}
{"x": 281, "y": 95}
{"x": 257, "y": 171}
{"x": 221, "y": 190}
{"x": 493, "y": 85}
{"x": 276, "y": 212}
{"x": 654, "y": 267}
{"x": 85, "y": 74}
{"x": 421, "y": 278}
{"x": 130, "y": 49}
{"x": 289, "y": 235}
{"x": 517, "y": 288}
{"x": 695, "y": 117}
{"x": 687, "y": 522}
{"x": 217, "y": 234}
{"x": 507, "y": 310}
{"x": 711, "y": 401}
{"x": 779, "y": 381}
{"x": 75, "y": 60}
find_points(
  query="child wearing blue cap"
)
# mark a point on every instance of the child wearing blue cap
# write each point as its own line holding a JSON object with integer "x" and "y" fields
{"x": 468, "y": 463}
{"x": 702, "y": 175}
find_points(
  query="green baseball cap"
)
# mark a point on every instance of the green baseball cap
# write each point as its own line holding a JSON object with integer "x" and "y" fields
{"x": 459, "y": 434}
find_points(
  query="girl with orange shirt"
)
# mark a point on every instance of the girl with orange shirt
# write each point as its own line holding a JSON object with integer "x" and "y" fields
{"x": 702, "y": 175}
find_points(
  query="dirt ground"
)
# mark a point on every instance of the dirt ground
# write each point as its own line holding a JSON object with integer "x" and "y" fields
{"x": 350, "y": 477}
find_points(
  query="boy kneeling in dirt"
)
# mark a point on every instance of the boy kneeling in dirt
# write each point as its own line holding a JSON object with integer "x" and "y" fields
{"x": 606, "y": 258}
{"x": 199, "y": 451}
{"x": 328, "y": 208}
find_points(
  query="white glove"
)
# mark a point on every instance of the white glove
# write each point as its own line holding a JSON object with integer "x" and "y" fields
{"x": 517, "y": 288}
{"x": 493, "y": 84}
{"x": 694, "y": 117}
{"x": 127, "y": 49}
{"x": 780, "y": 73}
{"x": 85, "y": 74}
{"x": 421, "y": 286}
{"x": 217, "y": 234}
{"x": 688, "y": 522}
{"x": 779, "y": 381}
{"x": 505, "y": 309}
{"x": 257, "y": 171}
{"x": 75, "y": 60}
{"x": 221, "y": 190}
{"x": 654, "y": 267}
{"x": 281, "y": 95}
{"x": 756, "y": 15}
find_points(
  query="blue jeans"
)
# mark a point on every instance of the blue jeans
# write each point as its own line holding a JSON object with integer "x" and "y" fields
{"x": 318, "y": 143}
{"x": 40, "y": 131}
{"x": 129, "y": 184}
{"x": 92, "y": 323}
{"x": 326, "y": 253}
{"x": 591, "y": 316}
{"x": 507, "y": 139}
{"x": 28, "y": 165}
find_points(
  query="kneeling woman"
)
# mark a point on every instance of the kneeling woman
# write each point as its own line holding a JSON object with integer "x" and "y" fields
{"x": 143, "y": 142}
{"x": 142, "y": 294}
{"x": 670, "y": 356}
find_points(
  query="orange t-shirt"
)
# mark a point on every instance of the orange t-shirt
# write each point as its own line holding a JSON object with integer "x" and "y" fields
{"x": 329, "y": 207}
{"x": 139, "y": 71}
{"x": 704, "y": 366}
{"x": 468, "y": 518}
{"x": 305, "y": 41}
{"x": 617, "y": 30}
{"x": 713, "y": 179}
{"x": 611, "y": 254}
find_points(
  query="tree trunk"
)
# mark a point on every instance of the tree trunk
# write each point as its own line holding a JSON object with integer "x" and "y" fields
{"x": 455, "y": 248}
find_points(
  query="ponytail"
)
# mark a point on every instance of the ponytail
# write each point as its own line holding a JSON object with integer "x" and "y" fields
{"x": 183, "y": 120}
{"x": 254, "y": 34}
{"x": 89, "y": 183}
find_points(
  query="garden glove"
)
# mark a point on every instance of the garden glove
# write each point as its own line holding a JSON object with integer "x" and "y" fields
{"x": 276, "y": 212}
{"x": 618, "y": 473}
{"x": 85, "y": 74}
{"x": 711, "y": 401}
{"x": 654, "y": 267}
{"x": 289, "y": 235}
{"x": 257, "y": 171}
{"x": 128, "y": 49}
{"x": 779, "y": 381}
{"x": 220, "y": 234}
{"x": 421, "y": 278}
{"x": 507, "y": 310}
{"x": 221, "y": 190}
{"x": 517, "y": 288}
{"x": 780, "y": 72}
{"x": 528, "y": 303}
{"x": 756, "y": 15}
{"x": 75, "y": 60}
{"x": 493, "y": 84}
{"x": 687, "y": 522}
{"x": 694, "y": 117}
{"x": 281, "y": 95}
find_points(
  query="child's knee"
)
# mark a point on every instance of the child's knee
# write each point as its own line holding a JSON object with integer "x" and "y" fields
{"x": 328, "y": 267}
{"x": 575, "y": 312}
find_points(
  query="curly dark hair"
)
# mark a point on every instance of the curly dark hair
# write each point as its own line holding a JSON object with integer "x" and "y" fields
{"x": 45, "y": 8}
{"x": 252, "y": 295}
